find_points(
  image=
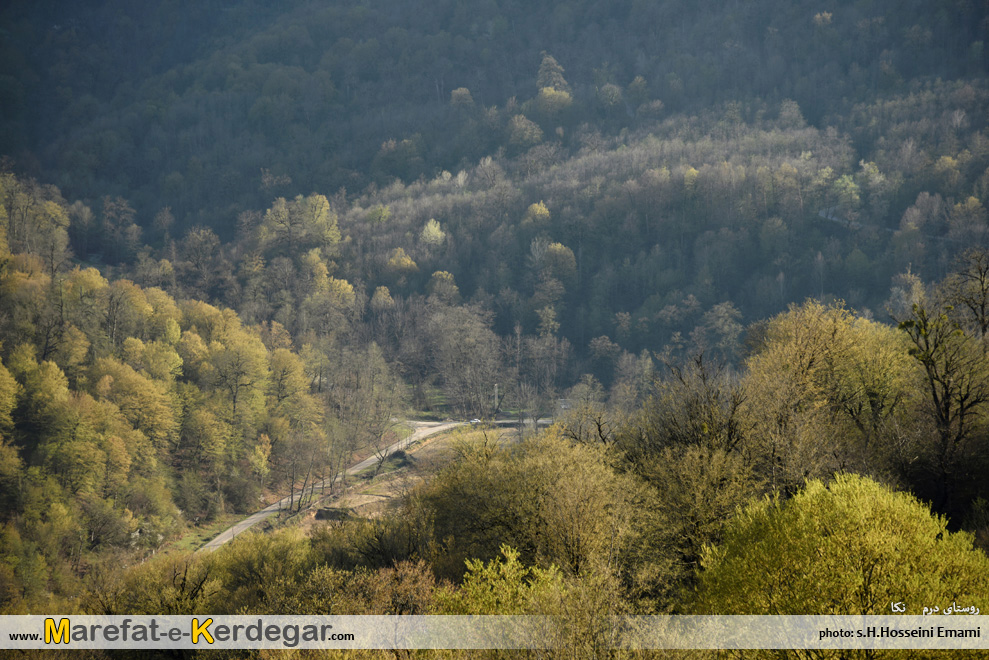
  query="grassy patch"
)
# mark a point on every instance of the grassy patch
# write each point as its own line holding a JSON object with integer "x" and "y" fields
{"x": 400, "y": 432}
{"x": 194, "y": 537}
{"x": 335, "y": 514}
{"x": 397, "y": 461}
{"x": 434, "y": 408}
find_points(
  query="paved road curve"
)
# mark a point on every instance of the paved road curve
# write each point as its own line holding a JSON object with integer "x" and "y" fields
{"x": 422, "y": 430}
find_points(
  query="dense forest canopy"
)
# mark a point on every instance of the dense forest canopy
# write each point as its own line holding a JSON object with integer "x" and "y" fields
{"x": 726, "y": 141}
{"x": 738, "y": 252}
{"x": 147, "y": 101}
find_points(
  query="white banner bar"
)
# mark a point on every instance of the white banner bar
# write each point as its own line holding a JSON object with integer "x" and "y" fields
{"x": 274, "y": 632}
{"x": 804, "y": 632}
{"x": 490, "y": 632}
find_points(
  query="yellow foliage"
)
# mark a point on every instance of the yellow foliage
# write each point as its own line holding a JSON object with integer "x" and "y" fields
{"x": 315, "y": 270}
{"x": 432, "y": 234}
{"x": 444, "y": 287}
{"x": 848, "y": 547}
{"x": 552, "y": 102}
{"x": 537, "y": 214}
{"x": 142, "y": 401}
{"x": 400, "y": 262}
{"x": 341, "y": 292}
{"x": 82, "y": 285}
{"x": 166, "y": 318}
{"x": 827, "y": 386}
{"x": 560, "y": 263}
{"x": 690, "y": 176}
{"x": 382, "y": 299}
{"x": 205, "y": 320}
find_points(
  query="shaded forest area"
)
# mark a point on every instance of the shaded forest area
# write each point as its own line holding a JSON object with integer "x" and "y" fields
{"x": 753, "y": 155}
{"x": 738, "y": 251}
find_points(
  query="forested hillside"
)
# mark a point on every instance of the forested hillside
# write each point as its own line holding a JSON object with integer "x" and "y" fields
{"x": 738, "y": 251}
{"x": 725, "y": 144}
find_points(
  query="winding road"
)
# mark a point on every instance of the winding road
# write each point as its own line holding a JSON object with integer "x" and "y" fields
{"x": 421, "y": 430}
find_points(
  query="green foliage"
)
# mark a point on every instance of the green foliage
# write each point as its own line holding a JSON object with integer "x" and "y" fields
{"x": 240, "y": 370}
{"x": 504, "y": 586}
{"x": 432, "y": 234}
{"x": 143, "y": 402}
{"x": 378, "y": 215}
{"x": 9, "y": 390}
{"x": 176, "y": 585}
{"x": 828, "y": 391}
{"x": 307, "y": 83}
{"x": 537, "y": 214}
{"x": 950, "y": 348}
{"x": 559, "y": 263}
{"x": 559, "y": 504}
{"x": 849, "y": 547}
{"x": 292, "y": 226}
{"x": 694, "y": 493}
{"x": 552, "y": 103}
{"x": 259, "y": 571}
{"x": 692, "y": 446}
{"x": 11, "y": 466}
{"x": 381, "y": 300}
{"x": 33, "y": 220}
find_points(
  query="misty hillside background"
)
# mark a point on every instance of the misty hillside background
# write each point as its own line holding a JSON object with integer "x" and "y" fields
{"x": 782, "y": 109}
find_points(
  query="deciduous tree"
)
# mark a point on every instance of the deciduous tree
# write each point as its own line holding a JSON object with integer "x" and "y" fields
{"x": 851, "y": 546}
